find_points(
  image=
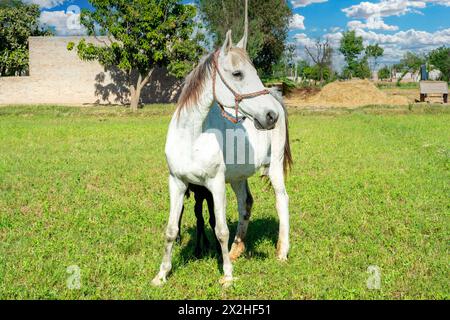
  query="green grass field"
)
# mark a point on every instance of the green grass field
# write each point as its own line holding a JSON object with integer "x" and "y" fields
{"x": 87, "y": 187}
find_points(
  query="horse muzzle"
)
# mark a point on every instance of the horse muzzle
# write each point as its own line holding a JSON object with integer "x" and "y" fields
{"x": 268, "y": 122}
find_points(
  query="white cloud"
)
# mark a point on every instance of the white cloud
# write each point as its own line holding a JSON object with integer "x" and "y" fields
{"x": 64, "y": 23}
{"x": 384, "y": 8}
{"x": 304, "y": 3}
{"x": 302, "y": 39}
{"x": 387, "y": 8}
{"x": 373, "y": 23}
{"x": 46, "y": 4}
{"x": 335, "y": 29}
{"x": 395, "y": 45}
{"x": 297, "y": 22}
{"x": 374, "y": 12}
{"x": 408, "y": 40}
{"x": 439, "y": 2}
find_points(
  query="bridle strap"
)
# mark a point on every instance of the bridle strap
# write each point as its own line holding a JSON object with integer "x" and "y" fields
{"x": 237, "y": 96}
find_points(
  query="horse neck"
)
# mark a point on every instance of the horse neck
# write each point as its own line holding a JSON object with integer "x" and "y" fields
{"x": 189, "y": 121}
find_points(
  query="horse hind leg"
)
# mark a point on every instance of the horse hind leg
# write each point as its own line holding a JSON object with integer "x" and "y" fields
{"x": 245, "y": 204}
{"x": 178, "y": 240}
{"x": 282, "y": 203}
{"x": 201, "y": 235}
{"x": 177, "y": 191}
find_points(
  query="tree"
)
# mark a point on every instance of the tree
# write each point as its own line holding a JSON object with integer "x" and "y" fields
{"x": 286, "y": 65}
{"x": 411, "y": 62}
{"x": 317, "y": 73}
{"x": 384, "y": 73}
{"x": 269, "y": 26}
{"x": 321, "y": 55}
{"x": 18, "y": 21}
{"x": 142, "y": 35}
{"x": 362, "y": 69}
{"x": 302, "y": 65}
{"x": 374, "y": 52}
{"x": 440, "y": 59}
{"x": 351, "y": 47}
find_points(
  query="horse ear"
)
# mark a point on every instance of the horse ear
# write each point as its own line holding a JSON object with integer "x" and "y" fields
{"x": 228, "y": 44}
{"x": 243, "y": 43}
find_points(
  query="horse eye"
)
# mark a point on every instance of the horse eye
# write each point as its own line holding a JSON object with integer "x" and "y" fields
{"x": 237, "y": 74}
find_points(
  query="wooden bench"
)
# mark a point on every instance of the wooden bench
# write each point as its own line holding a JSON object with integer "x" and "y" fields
{"x": 433, "y": 88}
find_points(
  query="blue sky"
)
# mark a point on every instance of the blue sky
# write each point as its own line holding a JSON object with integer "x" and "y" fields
{"x": 397, "y": 25}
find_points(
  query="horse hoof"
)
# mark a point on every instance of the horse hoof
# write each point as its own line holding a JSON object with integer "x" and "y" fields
{"x": 282, "y": 252}
{"x": 158, "y": 281}
{"x": 237, "y": 249}
{"x": 226, "y": 282}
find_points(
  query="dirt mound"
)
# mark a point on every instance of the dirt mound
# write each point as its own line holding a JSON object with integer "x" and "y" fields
{"x": 355, "y": 93}
{"x": 302, "y": 93}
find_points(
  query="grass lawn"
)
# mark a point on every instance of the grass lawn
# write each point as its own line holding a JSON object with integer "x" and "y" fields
{"x": 87, "y": 187}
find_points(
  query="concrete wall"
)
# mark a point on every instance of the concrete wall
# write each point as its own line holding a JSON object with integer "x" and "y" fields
{"x": 58, "y": 76}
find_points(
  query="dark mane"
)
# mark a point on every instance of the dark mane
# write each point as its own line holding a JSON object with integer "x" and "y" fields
{"x": 194, "y": 83}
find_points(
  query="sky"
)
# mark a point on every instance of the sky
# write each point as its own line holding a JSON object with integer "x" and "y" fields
{"x": 397, "y": 25}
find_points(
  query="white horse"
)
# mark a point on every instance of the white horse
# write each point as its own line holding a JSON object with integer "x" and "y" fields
{"x": 200, "y": 145}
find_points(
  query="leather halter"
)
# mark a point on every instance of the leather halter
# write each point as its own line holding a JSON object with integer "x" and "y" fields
{"x": 237, "y": 96}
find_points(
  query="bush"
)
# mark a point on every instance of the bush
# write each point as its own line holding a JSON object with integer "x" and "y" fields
{"x": 384, "y": 73}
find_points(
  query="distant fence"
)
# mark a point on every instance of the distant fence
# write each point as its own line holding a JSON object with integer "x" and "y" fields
{"x": 58, "y": 76}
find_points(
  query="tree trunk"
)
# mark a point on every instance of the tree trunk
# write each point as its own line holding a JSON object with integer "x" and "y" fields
{"x": 134, "y": 99}
{"x": 135, "y": 90}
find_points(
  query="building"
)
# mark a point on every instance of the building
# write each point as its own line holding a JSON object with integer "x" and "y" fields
{"x": 58, "y": 76}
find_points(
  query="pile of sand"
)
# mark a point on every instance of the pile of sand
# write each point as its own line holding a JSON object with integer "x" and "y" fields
{"x": 355, "y": 93}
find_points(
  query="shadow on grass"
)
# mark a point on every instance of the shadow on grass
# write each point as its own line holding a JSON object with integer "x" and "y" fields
{"x": 259, "y": 230}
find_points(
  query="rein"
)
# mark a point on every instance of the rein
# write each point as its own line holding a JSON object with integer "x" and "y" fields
{"x": 237, "y": 96}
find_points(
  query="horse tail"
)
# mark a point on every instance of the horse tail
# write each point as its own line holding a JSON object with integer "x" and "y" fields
{"x": 287, "y": 159}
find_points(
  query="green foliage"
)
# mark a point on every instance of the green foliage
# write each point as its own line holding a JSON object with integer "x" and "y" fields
{"x": 362, "y": 70}
{"x": 321, "y": 54}
{"x": 403, "y": 85}
{"x": 358, "y": 68}
{"x": 314, "y": 73}
{"x": 374, "y": 52}
{"x": 384, "y": 73}
{"x": 286, "y": 64}
{"x": 411, "y": 62}
{"x": 302, "y": 65}
{"x": 18, "y": 21}
{"x": 142, "y": 35}
{"x": 268, "y": 24}
{"x": 351, "y": 47}
{"x": 368, "y": 187}
{"x": 440, "y": 59}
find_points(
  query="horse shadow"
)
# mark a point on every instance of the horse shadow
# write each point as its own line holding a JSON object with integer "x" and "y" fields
{"x": 259, "y": 230}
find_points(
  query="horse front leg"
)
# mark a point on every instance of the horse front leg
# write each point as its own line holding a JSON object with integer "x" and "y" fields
{"x": 217, "y": 188}
{"x": 245, "y": 204}
{"x": 177, "y": 190}
{"x": 276, "y": 176}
